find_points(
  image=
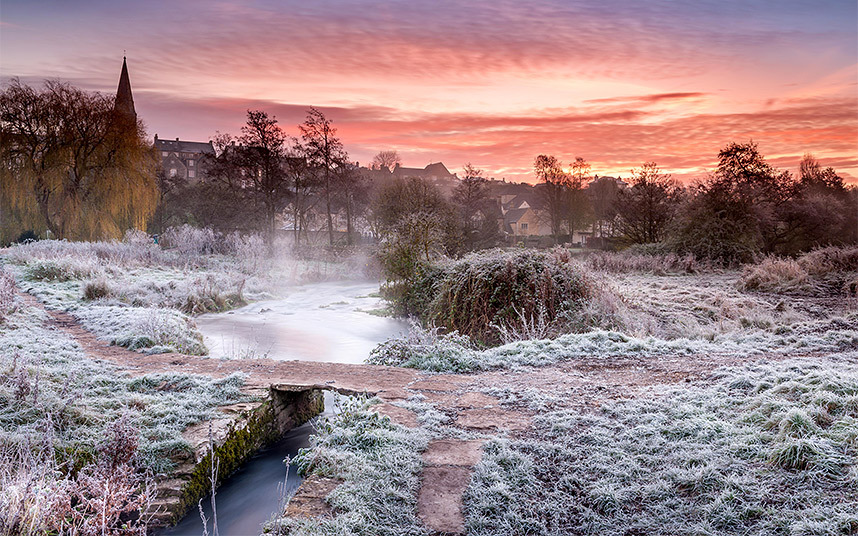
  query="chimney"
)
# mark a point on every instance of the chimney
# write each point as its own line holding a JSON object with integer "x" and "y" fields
{"x": 156, "y": 137}
{"x": 177, "y": 139}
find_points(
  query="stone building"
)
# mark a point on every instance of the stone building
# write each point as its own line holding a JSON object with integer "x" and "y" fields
{"x": 181, "y": 159}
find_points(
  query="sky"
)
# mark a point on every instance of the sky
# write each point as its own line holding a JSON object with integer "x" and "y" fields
{"x": 490, "y": 82}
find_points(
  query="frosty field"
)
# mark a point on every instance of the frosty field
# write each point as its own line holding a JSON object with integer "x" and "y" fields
{"x": 687, "y": 401}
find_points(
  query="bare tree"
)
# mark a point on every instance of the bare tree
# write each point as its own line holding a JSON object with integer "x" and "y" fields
{"x": 578, "y": 209}
{"x": 472, "y": 197}
{"x": 251, "y": 169}
{"x": 325, "y": 153}
{"x": 647, "y": 206}
{"x": 554, "y": 191}
{"x": 352, "y": 195}
{"x": 386, "y": 160}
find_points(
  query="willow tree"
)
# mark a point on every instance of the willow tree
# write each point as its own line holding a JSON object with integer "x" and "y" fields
{"x": 73, "y": 162}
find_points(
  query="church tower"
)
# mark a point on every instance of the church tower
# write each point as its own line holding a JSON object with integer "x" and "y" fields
{"x": 124, "y": 100}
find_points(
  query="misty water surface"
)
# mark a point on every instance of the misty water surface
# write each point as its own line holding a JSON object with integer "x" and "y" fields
{"x": 317, "y": 322}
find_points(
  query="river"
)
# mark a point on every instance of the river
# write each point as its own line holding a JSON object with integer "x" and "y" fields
{"x": 316, "y": 322}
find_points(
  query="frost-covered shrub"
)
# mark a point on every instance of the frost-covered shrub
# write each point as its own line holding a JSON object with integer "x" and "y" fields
{"x": 491, "y": 292}
{"x": 380, "y": 464}
{"x": 824, "y": 271}
{"x": 191, "y": 241}
{"x": 248, "y": 250}
{"x": 96, "y": 289}
{"x": 208, "y": 294}
{"x": 774, "y": 273}
{"x": 426, "y": 349}
{"x": 770, "y": 449}
{"x": 61, "y": 269}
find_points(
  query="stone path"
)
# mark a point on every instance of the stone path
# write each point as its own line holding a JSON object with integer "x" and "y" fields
{"x": 584, "y": 383}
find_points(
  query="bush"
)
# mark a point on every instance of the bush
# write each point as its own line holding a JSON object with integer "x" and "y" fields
{"x": 826, "y": 271}
{"x": 60, "y": 270}
{"x": 487, "y": 293}
{"x": 96, "y": 289}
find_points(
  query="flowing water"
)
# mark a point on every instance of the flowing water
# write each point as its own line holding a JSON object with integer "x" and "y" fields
{"x": 255, "y": 492}
{"x": 318, "y": 322}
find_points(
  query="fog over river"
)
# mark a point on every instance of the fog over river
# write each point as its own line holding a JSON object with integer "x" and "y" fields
{"x": 316, "y": 322}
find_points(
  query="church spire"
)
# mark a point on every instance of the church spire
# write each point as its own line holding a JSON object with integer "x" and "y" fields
{"x": 124, "y": 100}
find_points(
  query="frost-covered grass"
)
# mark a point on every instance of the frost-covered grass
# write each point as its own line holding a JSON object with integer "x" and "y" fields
{"x": 138, "y": 294}
{"x": 46, "y": 380}
{"x": 57, "y": 409}
{"x": 452, "y": 353}
{"x": 768, "y": 450}
{"x": 380, "y": 464}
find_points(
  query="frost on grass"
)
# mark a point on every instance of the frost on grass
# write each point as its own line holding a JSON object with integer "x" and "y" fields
{"x": 48, "y": 385}
{"x": 380, "y": 464}
{"x": 444, "y": 353}
{"x": 143, "y": 328}
{"x": 768, "y": 450}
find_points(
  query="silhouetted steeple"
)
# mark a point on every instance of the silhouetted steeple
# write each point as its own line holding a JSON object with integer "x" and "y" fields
{"x": 124, "y": 100}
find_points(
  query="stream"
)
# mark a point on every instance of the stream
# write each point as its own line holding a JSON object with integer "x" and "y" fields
{"x": 317, "y": 322}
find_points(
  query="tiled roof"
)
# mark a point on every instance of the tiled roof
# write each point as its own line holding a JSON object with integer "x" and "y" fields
{"x": 181, "y": 146}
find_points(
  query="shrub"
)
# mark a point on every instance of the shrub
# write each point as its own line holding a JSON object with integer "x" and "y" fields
{"x": 60, "y": 270}
{"x": 484, "y": 293}
{"x": 96, "y": 289}
{"x": 830, "y": 270}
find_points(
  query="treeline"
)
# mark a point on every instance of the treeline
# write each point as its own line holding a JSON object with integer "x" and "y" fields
{"x": 71, "y": 165}
{"x": 745, "y": 207}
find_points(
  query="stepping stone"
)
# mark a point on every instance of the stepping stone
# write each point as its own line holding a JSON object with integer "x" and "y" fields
{"x": 399, "y": 415}
{"x": 446, "y": 474}
{"x": 439, "y": 502}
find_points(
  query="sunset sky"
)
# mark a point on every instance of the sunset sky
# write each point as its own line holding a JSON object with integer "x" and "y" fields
{"x": 489, "y": 82}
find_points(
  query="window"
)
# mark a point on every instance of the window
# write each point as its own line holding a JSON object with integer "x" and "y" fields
{"x": 190, "y": 163}
{"x": 172, "y": 172}
{"x": 163, "y": 153}
{"x": 523, "y": 227}
{"x": 191, "y": 174}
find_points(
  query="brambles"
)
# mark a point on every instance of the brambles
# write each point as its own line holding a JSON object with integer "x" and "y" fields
{"x": 825, "y": 271}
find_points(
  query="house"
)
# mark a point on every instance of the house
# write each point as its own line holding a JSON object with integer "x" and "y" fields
{"x": 435, "y": 173}
{"x": 181, "y": 159}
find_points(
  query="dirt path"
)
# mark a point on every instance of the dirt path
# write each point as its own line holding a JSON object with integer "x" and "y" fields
{"x": 473, "y": 402}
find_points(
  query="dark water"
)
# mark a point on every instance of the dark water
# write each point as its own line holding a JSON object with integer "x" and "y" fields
{"x": 251, "y": 496}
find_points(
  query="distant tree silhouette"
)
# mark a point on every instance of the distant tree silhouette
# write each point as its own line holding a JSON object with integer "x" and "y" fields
{"x": 554, "y": 191}
{"x": 649, "y": 204}
{"x": 324, "y": 153}
{"x": 385, "y": 160}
